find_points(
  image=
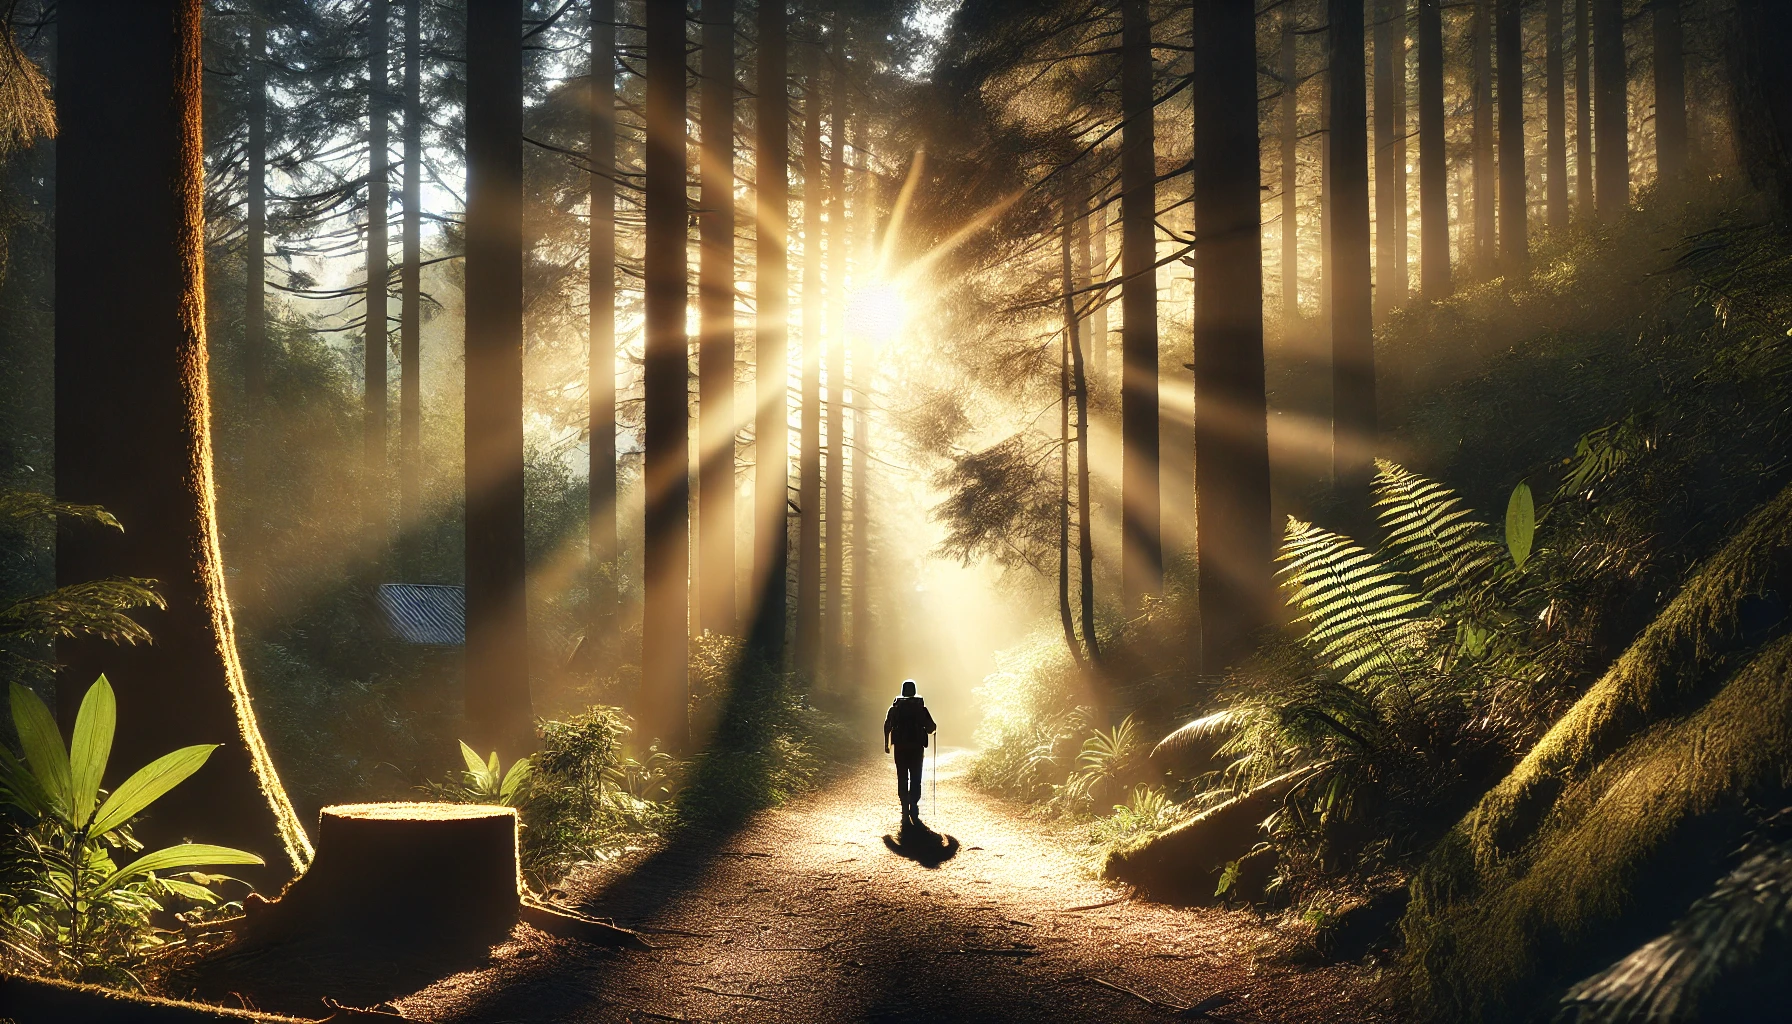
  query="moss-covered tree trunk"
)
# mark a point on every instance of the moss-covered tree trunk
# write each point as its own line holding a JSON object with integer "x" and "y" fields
{"x": 133, "y": 418}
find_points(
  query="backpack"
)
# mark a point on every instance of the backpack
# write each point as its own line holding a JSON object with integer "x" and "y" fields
{"x": 909, "y": 722}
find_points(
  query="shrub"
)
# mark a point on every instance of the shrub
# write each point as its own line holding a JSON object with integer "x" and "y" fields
{"x": 67, "y": 907}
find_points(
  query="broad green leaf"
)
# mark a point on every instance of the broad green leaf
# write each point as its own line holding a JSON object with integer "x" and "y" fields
{"x": 20, "y": 788}
{"x": 186, "y": 855}
{"x": 189, "y": 890}
{"x": 514, "y": 778}
{"x": 148, "y": 784}
{"x": 44, "y": 751}
{"x": 469, "y": 755}
{"x": 94, "y": 725}
{"x": 1521, "y": 523}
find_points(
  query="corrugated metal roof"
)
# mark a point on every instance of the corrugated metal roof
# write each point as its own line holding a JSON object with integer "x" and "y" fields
{"x": 422, "y": 613}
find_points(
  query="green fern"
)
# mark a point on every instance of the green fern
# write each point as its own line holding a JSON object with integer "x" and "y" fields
{"x": 1446, "y": 549}
{"x": 1362, "y": 619}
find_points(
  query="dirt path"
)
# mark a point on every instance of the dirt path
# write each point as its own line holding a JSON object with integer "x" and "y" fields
{"x": 808, "y": 915}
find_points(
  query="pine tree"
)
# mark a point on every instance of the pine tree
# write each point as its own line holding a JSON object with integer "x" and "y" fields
{"x": 771, "y": 344}
{"x": 1141, "y": 571}
{"x": 1353, "y": 345}
{"x": 715, "y": 359}
{"x": 1434, "y": 199}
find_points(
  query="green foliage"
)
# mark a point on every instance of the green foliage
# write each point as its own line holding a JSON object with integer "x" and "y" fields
{"x": 1107, "y": 758}
{"x": 1521, "y": 524}
{"x": 96, "y": 608}
{"x": 67, "y": 907}
{"x": 483, "y": 783}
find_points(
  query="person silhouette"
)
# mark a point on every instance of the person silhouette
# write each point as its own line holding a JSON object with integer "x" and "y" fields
{"x": 907, "y": 727}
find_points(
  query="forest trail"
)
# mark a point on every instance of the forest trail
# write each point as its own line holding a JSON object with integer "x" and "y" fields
{"x": 808, "y": 914}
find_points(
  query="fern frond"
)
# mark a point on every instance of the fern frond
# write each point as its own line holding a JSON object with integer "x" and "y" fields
{"x": 1218, "y": 723}
{"x": 1447, "y": 550}
{"x": 96, "y": 608}
{"x": 1362, "y": 618}
{"x": 29, "y": 507}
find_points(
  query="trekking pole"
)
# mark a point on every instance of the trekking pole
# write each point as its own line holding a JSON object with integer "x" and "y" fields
{"x": 936, "y": 773}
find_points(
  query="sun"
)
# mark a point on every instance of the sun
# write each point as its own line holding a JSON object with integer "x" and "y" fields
{"x": 877, "y": 312}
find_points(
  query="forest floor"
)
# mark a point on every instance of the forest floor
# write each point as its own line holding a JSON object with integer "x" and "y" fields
{"x": 819, "y": 911}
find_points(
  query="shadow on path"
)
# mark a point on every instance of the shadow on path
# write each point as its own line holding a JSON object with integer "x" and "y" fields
{"x": 922, "y": 845}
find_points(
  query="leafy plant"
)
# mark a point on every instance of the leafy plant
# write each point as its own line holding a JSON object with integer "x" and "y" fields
{"x": 483, "y": 783}
{"x": 94, "y": 608}
{"x": 75, "y": 909}
{"x": 1107, "y": 757}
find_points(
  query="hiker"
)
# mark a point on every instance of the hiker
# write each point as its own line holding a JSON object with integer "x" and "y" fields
{"x": 907, "y": 726}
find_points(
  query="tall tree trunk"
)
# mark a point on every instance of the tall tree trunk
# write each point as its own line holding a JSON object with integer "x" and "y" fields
{"x": 834, "y": 504}
{"x": 1611, "y": 109}
{"x": 133, "y": 420}
{"x": 1583, "y": 107}
{"x": 1761, "y": 95}
{"x": 715, "y": 353}
{"x": 1353, "y": 340}
{"x": 1387, "y": 127}
{"x": 1325, "y": 193}
{"x": 665, "y": 624}
{"x": 255, "y": 306}
{"x": 601, "y": 547}
{"x": 859, "y": 382}
{"x": 1670, "y": 92}
{"x": 1080, "y": 388}
{"x": 498, "y": 711}
{"x": 410, "y": 315}
{"x": 1514, "y": 236}
{"x": 1486, "y": 249}
{"x": 1234, "y": 547}
{"x": 1066, "y": 341}
{"x": 1290, "y": 70}
{"x": 1142, "y": 559}
{"x": 771, "y": 339}
{"x": 1556, "y": 116}
{"x": 375, "y": 507}
{"x": 808, "y": 544}
{"x": 1100, "y": 225}
{"x": 1434, "y": 183}
{"x": 1399, "y": 276}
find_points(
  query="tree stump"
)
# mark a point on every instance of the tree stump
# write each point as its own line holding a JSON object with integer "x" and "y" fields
{"x": 400, "y": 872}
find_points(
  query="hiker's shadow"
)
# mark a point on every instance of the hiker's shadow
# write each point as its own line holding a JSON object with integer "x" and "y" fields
{"x": 922, "y": 845}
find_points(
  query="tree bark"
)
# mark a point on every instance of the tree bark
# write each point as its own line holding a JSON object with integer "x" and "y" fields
{"x": 601, "y": 546}
{"x": 1290, "y": 110}
{"x": 771, "y": 344}
{"x": 1761, "y": 94}
{"x": 1142, "y": 560}
{"x": 1556, "y": 116}
{"x": 1611, "y": 109}
{"x": 1100, "y": 335}
{"x": 715, "y": 359}
{"x": 498, "y": 711}
{"x": 1353, "y": 344}
{"x": 1486, "y": 241}
{"x": 665, "y": 625}
{"x": 255, "y": 306}
{"x": 1233, "y": 543}
{"x": 1388, "y": 200}
{"x": 860, "y": 382}
{"x": 1670, "y": 93}
{"x": 808, "y": 545}
{"x": 1583, "y": 107}
{"x": 1084, "y": 510}
{"x": 1514, "y": 234}
{"x": 1066, "y": 341}
{"x": 410, "y": 315}
{"x": 834, "y": 504}
{"x": 133, "y": 420}
{"x": 1434, "y": 183}
{"x": 1399, "y": 275}
{"x": 376, "y": 509}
